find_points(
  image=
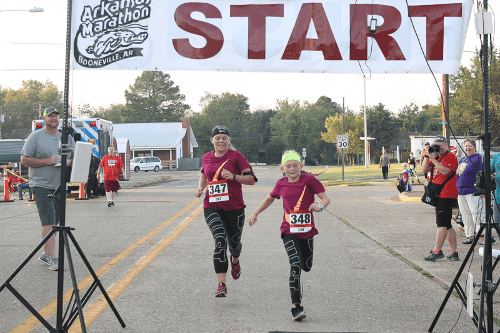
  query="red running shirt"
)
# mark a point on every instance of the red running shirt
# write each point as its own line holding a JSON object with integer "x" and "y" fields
{"x": 450, "y": 189}
{"x": 112, "y": 166}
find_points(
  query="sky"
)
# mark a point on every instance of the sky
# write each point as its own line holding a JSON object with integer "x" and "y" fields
{"x": 33, "y": 47}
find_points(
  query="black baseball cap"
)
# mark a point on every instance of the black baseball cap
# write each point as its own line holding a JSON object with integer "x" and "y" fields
{"x": 50, "y": 111}
{"x": 440, "y": 139}
{"x": 220, "y": 130}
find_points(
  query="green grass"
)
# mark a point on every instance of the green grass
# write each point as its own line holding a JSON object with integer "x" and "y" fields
{"x": 334, "y": 173}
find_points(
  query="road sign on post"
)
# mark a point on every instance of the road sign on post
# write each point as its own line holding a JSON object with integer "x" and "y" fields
{"x": 342, "y": 141}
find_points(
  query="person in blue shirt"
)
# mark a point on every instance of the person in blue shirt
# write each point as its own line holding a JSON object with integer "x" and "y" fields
{"x": 471, "y": 207}
{"x": 495, "y": 173}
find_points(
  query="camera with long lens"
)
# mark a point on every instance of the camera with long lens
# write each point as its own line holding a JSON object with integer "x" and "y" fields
{"x": 434, "y": 149}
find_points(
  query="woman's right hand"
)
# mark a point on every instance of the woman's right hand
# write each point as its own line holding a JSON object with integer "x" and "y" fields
{"x": 252, "y": 219}
{"x": 198, "y": 192}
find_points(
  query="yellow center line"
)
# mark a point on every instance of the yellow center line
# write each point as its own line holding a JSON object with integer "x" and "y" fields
{"x": 117, "y": 288}
{"x": 50, "y": 308}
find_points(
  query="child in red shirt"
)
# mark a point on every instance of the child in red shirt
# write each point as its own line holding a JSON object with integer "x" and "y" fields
{"x": 297, "y": 226}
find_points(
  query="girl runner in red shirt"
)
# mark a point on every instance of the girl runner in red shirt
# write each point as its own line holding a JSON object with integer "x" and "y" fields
{"x": 224, "y": 170}
{"x": 297, "y": 227}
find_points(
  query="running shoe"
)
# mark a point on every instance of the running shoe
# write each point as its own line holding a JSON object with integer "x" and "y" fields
{"x": 298, "y": 312}
{"x": 434, "y": 256}
{"x": 453, "y": 256}
{"x": 221, "y": 290}
{"x": 54, "y": 264}
{"x": 235, "y": 269}
{"x": 109, "y": 203}
{"x": 45, "y": 258}
{"x": 112, "y": 203}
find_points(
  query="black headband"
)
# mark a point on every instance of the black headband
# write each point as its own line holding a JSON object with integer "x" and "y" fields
{"x": 220, "y": 130}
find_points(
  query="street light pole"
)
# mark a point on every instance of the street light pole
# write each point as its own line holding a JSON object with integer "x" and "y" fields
{"x": 366, "y": 131}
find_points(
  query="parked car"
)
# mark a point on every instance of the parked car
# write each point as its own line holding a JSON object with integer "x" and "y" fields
{"x": 145, "y": 163}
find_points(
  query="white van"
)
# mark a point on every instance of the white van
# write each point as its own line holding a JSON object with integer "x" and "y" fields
{"x": 145, "y": 163}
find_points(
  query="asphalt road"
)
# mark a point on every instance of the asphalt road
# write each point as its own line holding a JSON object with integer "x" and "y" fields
{"x": 153, "y": 253}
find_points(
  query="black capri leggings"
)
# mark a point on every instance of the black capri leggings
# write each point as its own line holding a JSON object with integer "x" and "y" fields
{"x": 226, "y": 227}
{"x": 300, "y": 255}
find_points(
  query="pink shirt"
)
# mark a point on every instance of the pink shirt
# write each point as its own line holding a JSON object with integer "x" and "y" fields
{"x": 291, "y": 193}
{"x": 236, "y": 162}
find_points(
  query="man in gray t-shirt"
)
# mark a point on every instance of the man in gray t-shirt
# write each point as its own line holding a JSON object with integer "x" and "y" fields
{"x": 385, "y": 164}
{"x": 41, "y": 154}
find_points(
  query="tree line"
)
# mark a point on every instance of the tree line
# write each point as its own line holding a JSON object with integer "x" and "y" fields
{"x": 262, "y": 135}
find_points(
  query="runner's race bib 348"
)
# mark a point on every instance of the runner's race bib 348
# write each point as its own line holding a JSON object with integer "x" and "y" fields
{"x": 300, "y": 221}
{"x": 218, "y": 191}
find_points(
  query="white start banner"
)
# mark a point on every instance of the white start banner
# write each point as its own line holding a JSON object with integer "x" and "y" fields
{"x": 338, "y": 36}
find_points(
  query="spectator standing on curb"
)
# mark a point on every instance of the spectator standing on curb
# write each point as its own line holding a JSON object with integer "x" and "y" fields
{"x": 112, "y": 164}
{"x": 424, "y": 153}
{"x": 495, "y": 174}
{"x": 413, "y": 168}
{"x": 41, "y": 154}
{"x": 385, "y": 164}
{"x": 297, "y": 226}
{"x": 224, "y": 169}
{"x": 471, "y": 207}
{"x": 93, "y": 183}
{"x": 440, "y": 165}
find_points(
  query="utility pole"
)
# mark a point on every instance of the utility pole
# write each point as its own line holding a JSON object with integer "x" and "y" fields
{"x": 446, "y": 105}
{"x": 39, "y": 110}
{"x": 343, "y": 134}
{"x": 366, "y": 131}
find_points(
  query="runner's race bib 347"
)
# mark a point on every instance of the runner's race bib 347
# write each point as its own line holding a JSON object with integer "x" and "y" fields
{"x": 218, "y": 191}
{"x": 300, "y": 221}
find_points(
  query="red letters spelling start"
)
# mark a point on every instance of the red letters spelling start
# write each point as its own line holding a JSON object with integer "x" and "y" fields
{"x": 257, "y": 14}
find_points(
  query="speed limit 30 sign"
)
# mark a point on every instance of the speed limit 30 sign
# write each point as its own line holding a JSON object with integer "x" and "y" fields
{"x": 342, "y": 141}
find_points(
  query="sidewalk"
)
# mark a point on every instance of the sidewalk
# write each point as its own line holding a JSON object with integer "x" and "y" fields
{"x": 415, "y": 195}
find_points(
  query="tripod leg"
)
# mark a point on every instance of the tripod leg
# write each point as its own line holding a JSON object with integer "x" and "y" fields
{"x": 96, "y": 279}
{"x": 455, "y": 281}
{"x": 28, "y": 258}
{"x": 75, "y": 282}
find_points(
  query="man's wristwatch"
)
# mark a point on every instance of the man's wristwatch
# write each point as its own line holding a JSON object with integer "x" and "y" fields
{"x": 320, "y": 206}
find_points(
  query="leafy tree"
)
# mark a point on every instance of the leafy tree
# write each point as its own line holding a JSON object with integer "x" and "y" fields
{"x": 353, "y": 128}
{"x": 83, "y": 110}
{"x": 380, "y": 125}
{"x": 409, "y": 116}
{"x": 20, "y": 106}
{"x": 230, "y": 110}
{"x": 116, "y": 113}
{"x": 297, "y": 126}
{"x": 467, "y": 100}
{"x": 154, "y": 98}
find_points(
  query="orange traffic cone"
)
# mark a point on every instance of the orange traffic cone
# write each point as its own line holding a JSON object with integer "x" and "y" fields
{"x": 81, "y": 193}
{"x": 6, "y": 196}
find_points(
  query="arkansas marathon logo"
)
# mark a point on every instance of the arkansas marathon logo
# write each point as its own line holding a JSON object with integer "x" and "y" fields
{"x": 110, "y": 32}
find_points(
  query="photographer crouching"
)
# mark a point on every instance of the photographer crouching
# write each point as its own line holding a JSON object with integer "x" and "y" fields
{"x": 443, "y": 165}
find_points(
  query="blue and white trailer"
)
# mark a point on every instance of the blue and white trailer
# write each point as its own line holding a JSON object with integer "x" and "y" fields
{"x": 98, "y": 132}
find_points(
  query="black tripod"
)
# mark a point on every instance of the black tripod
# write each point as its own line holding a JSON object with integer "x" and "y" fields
{"x": 65, "y": 320}
{"x": 489, "y": 288}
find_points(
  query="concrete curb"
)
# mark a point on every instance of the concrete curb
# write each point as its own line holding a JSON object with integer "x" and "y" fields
{"x": 403, "y": 197}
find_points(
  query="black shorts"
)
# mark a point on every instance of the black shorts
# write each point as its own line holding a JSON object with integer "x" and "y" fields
{"x": 444, "y": 211}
